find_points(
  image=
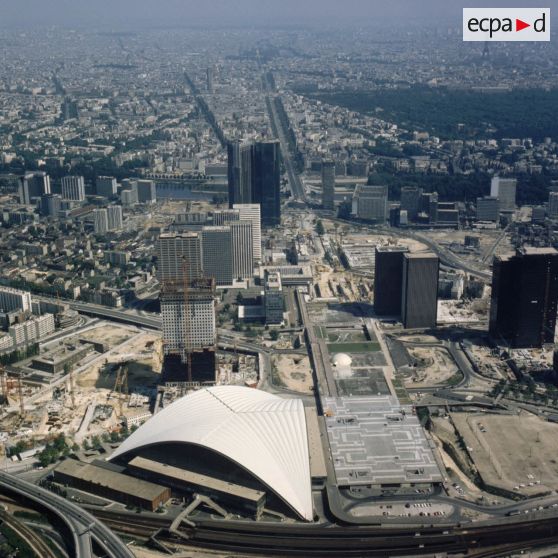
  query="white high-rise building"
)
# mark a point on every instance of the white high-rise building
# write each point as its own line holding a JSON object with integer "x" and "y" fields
{"x": 188, "y": 321}
{"x": 14, "y": 299}
{"x": 73, "y": 188}
{"x": 225, "y": 216}
{"x": 242, "y": 257}
{"x": 252, "y": 212}
{"x": 114, "y": 214}
{"x": 504, "y": 189}
{"x": 100, "y": 223}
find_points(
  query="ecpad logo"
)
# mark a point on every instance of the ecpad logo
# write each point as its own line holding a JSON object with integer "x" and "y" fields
{"x": 506, "y": 24}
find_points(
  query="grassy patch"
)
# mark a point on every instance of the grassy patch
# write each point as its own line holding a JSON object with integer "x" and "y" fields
{"x": 455, "y": 379}
{"x": 321, "y": 332}
{"x": 276, "y": 379}
{"x": 401, "y": 392}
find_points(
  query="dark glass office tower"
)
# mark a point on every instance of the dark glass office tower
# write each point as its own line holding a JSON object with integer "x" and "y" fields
{"x": 388, "y": 277}
{"x": 239, "y": 172}
{"x": 266, "y": 187}
{"x": 410, "y": 201}
{"x": 419, "y": 290}
{"x": 524, "y": 297}
{"x": 254, "y": 176}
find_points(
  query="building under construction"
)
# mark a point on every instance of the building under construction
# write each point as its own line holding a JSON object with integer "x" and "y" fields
{"x": 189, "y": 332}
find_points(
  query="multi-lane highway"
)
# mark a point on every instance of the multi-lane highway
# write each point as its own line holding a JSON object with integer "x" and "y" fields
{"x": 81, "y": 524}
{"x": 295, "y": 183}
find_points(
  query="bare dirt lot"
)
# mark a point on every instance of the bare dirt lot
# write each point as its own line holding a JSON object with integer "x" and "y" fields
{"x": 435, "y": 366}
{"x": 294, "y": 372}
{"x": 517, "y": 453}
{"x": 110, "y": 334}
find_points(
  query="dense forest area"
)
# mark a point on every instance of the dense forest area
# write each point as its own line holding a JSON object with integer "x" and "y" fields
{"x": 518, "y": 113}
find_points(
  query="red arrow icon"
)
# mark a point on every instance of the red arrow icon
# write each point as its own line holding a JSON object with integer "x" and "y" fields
{"x": 520, "y": 25}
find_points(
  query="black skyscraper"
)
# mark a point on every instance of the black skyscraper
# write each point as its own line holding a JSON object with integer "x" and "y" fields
{"x": 266, "y": 181}
{"x": 524, "y": 297}
{"x": 254, "y": 173}
{"x": 388, "y": 280}
{"x": 240, "y": 172}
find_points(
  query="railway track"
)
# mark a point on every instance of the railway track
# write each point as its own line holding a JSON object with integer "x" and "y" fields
{"x": 35, "y": 542}
{"x": 311, "y": 540}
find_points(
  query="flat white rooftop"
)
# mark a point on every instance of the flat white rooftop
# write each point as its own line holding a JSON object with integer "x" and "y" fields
{"x": 375, "y": 440}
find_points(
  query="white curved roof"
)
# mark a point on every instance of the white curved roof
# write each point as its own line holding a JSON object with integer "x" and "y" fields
{"x": 261, "y": 432}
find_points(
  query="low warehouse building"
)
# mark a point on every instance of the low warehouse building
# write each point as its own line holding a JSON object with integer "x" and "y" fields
{"x": 229, "y": 493}
{"x": 110, "y": 484}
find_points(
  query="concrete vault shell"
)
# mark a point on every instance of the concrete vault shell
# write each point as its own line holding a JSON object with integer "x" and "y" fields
{"x": 263, "y": 433}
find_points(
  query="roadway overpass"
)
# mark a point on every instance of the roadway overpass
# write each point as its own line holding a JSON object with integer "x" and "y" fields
{"x": 83, "y": 526}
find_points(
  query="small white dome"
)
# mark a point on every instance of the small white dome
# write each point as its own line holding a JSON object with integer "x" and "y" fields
{"x": 342, "y": 360}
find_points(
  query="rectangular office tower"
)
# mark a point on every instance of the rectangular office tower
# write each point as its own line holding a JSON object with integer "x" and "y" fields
{"x": 410, "y": 201}
{"x": 189, "y": 330}
{"x": 241, "y": 245}
{"x": 239, "y": 171}
{"x": 251, "y": 212}
{"x": 266, "y": 181}
{"x": 106, "y": 186}
{"x": 419, "y": 290}
{"x": 33, "y": 185}
{"x": 73, "y": 188}
{"x": 328, "y": 184}
{"x": 504, "y": 189}
{"x": 388, "y": 280}
{"x": 178, "y": 252}
{"x": 370, "y": 203}
{"x": 100, "y": 221}
{"x": 217, "y": 254}
{"x": 524, "y": 297}
{"x": 147, "y": 192}
{"x": 114, "y": 214}
{"x": 254, "y": 176}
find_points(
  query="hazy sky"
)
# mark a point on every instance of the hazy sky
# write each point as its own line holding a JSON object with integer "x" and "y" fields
{"x": 121, "y": 13}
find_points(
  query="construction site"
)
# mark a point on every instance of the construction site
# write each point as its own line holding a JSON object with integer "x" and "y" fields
{"x": 83, "y": 385}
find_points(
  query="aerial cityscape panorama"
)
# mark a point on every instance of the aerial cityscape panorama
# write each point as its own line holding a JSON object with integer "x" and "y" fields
{"x": 278, "y": 279}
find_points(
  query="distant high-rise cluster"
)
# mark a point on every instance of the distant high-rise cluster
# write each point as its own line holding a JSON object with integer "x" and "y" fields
{"x": 254, "y": 177}
{"x": 223, "y": 252}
